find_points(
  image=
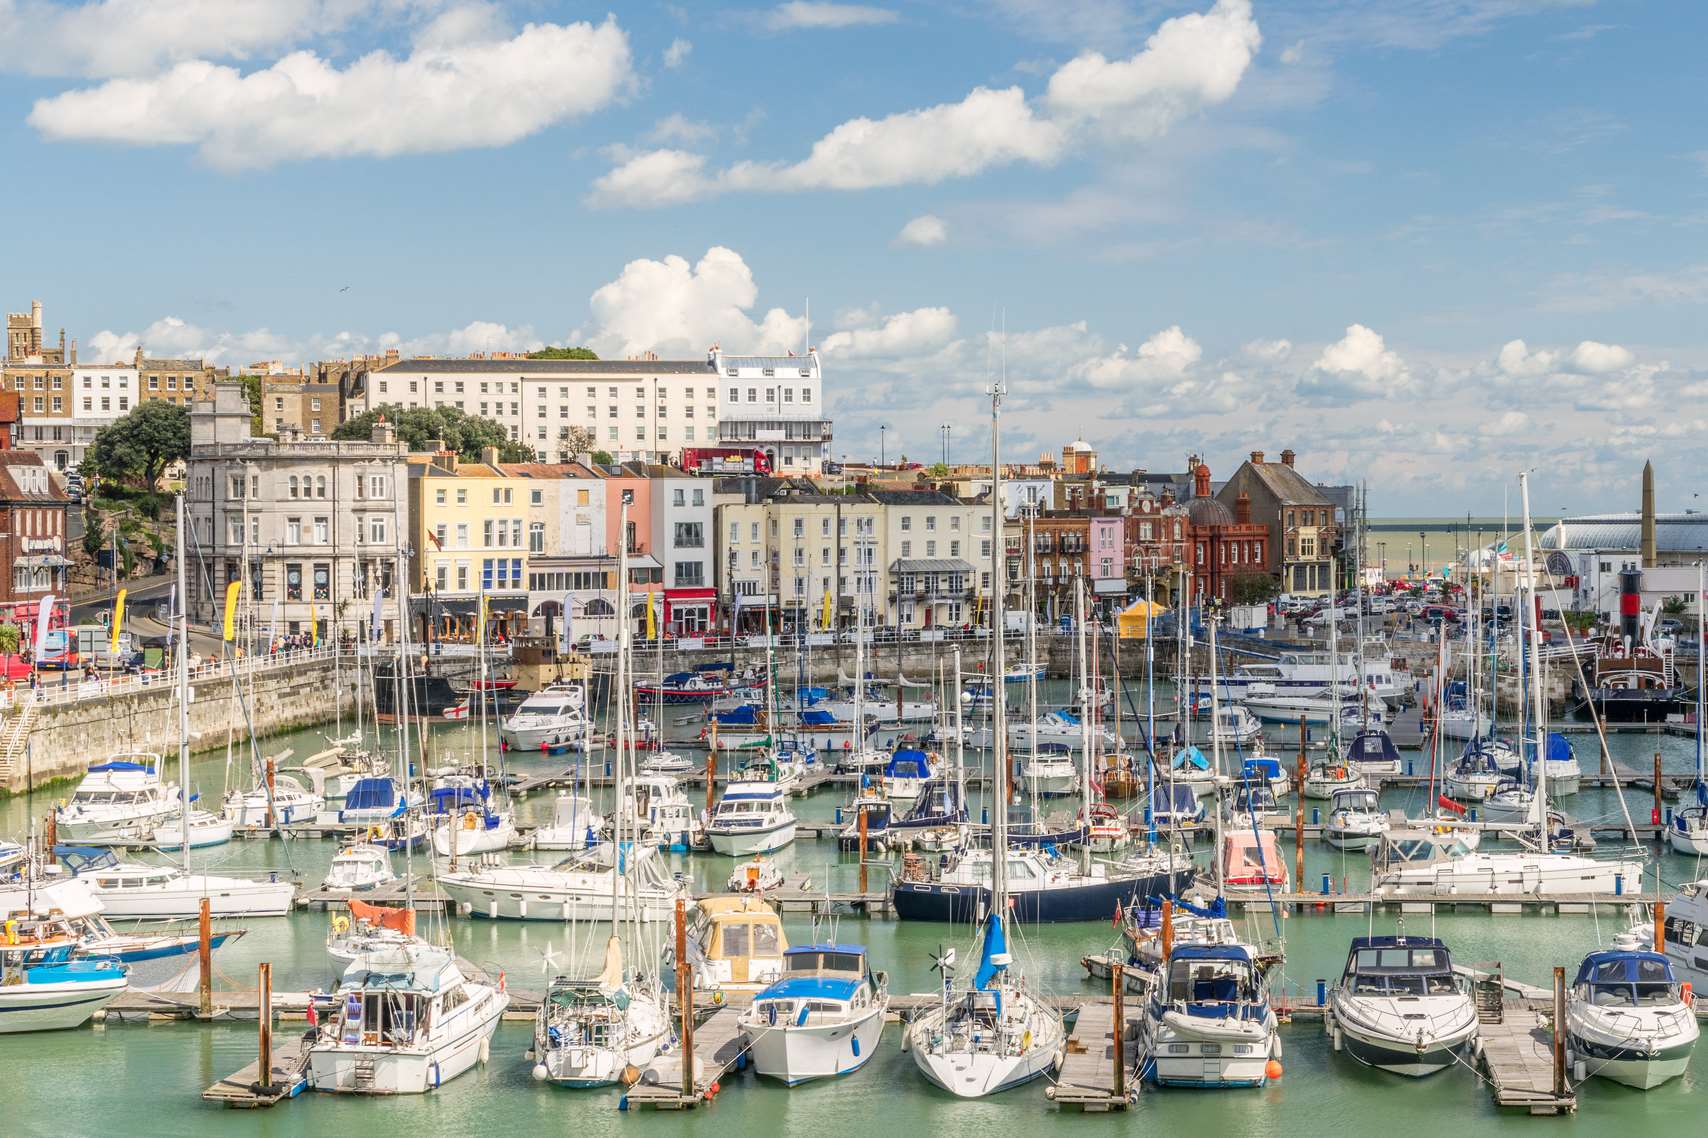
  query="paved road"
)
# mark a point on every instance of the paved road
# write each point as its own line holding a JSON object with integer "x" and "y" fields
{"x": 144, "y": 592}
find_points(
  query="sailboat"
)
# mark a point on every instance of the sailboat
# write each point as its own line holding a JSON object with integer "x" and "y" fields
{"x": 1689, "y": 830}
{"x": 996, "y": 1034}
{"x": 470, "y": 821}
{"x": 589, "y": 1031}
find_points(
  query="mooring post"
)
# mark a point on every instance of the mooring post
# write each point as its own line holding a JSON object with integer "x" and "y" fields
{"x": 264, "y": 1078}
{"x": 1559, "y": 1032}
{"x": 685, "y": 999}
{"x": 204, "y": 960}
{"x": 1120, "y": 1032}
{"x": 1299, "y": 814}
{"x": 712, "y": 772}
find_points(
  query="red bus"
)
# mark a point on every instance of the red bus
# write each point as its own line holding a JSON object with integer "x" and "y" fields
{"x": 725, "y": 460}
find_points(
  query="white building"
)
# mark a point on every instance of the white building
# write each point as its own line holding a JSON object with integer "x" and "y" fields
{"x": 775, "y": 403}
{"x": 636, "y": 409}
{"x": 100, "y": 395}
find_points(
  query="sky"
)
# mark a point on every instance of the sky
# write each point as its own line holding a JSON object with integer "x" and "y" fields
{"x": 1424, "y": 243}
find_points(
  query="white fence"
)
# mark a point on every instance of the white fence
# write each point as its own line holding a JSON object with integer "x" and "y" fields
{"x": 70, "y": 687}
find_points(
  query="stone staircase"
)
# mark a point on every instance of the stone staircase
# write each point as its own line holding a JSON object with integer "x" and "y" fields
{"x": 15, "y": 740}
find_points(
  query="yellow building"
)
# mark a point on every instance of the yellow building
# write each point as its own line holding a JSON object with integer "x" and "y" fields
{"x": 469, "y": 538}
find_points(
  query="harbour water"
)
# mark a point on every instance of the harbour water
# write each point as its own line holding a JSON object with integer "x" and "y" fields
{"x": 132, "y": 1078}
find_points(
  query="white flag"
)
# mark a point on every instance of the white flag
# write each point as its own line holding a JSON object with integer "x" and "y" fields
{"x": 44, "y": 612}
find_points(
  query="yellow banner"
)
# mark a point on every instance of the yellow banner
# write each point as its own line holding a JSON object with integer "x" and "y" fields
{"x": 824, "y": 619}
{"x": 480, "y": 621}
{"x": 232, "y": 591}
{"x": 313, "y": 626}
{"x": 118, "y": 618}
{"x": 651, "y": 619}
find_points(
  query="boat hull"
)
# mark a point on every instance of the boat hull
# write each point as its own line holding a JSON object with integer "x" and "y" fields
{"x": 345, "y": 1069}
{"x": 964, "y": 904}
{"x": 249, "y": 899}
{"x": 746, "y": 843}
{"x": 490, "y": 839}
{"x": 798, "y": 1054}
{"x": 591, "y": 902}
{"x": 1634, "y": 1067}
{"x": 55, "y": 1007}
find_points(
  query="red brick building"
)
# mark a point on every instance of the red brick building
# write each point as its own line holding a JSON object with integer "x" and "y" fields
{"x": 1157, "y": 534}
{"x": 32, "y": 528}
{"x": 1226, "y": 544}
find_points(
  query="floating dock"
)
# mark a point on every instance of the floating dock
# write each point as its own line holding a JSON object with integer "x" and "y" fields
{"x": 1088, "y": 1079}
{"x": 246, "y": 1091}
{"x": 718, "y": 1047}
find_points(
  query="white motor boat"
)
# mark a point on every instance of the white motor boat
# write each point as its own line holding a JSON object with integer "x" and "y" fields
{"x": 1355, "y": 820}
{"x": 1235, "y": 725}
{"x": 133, "y": 891}
{"x": 44, "y": 988}
{"x": 1208, "y": 1022}
{"x": 1686, "y": 940}
{"x": 200, "y": 827}
{"x": 759, "y": 875}
{"x": 1628, "y": 1019}
{"x": 1051, "y": 774}
{"x": 359, "y": 867}
{"x": 588, "y": 1032}
{"x": 1400, "y": 1006}
{"x": 1326, "y": 776}
{"x": 823, "y": 1019}
{"x": 288, "y": 802}
{"x": 907, "y": 772}
{"x": 1317, "y": 709}
{"x": 118, "y": 801}
{"x": 408, "y": 1021}
{"x": 752, "y": 817}
{"x": 1059, "y": 728}
{"x": 552, "y": 719}
{"x": 575, "y": 825}
{"x": 576, "y": 889}
{"x": 668, "y": 763}
{"x": 1413, "y": 862}
{"x": 1374, "y": 753}
{"x": 658, "y": 809}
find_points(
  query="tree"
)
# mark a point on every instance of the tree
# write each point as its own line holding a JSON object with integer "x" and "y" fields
{"x": 252, "y": 391}
{"x": 563, "y": 354}
{"x": 136, "y": 449}
{"x": 1253, "y": 589}
{"x": 1674, "y": 606}
{"x": 11, "y": 638}
{"x": 416, "y": 426}
{"x": 938, "y": 470}
{"x": 603, "y": 458}
{"x": 579, "y": 440}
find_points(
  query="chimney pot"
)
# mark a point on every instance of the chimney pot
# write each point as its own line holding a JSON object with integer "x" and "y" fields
{"x": 1287, "y": 457}
{"x": 1256, "y": 456}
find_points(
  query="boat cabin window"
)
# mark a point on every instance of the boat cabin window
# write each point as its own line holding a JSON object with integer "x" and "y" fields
{"x": 380, "y": 1017}
{"x": 827, "y": 961}
{"x": 1683, "y": 932}
{"x": 1610, "y": 985}
{"x": 1402, "y": 971}
{"x": 1208, "y": 982}
{"x": 741, "y": 938}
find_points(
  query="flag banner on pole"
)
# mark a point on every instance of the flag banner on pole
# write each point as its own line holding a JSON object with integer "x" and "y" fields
{"x": 118, "y": 618}
{"x": 44, "y": 612}
{"x": 273, "y": 625}
{"x": 313, "y": 626}
{"x": 651, "y": 618}
{"x": 374, "y": 620}
{"x": 566, "y": 639}
{"x": 824, "y": 620}
{"x": 232, "y": 592}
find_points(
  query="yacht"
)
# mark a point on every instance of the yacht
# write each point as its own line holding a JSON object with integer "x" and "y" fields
{"x": 134, "y": 891}
{"x": 907, "y": 773}
{"x": 575, "y": 825}
{"x": 465, "y": 822}
{"x": 1479, "y": 769}
{"x": 656, "y": 807}
{"x": 1208, "y": 1022}
{"x": 359, "y": 867}
{"x": 552, "y": 719}
{"x": 941, "y": 805}
{"x": 1060, "y": 728}
{"x": 705, "y": 684}
{"x": 1400, "y": 1006}
{"x": 119, "y": 801}
{"x": 1172, "y": 806}
{"x": 45, "y": 986}
{"x": 1105, "y": 828}
{"x": 407, "y": 1021}
{"x": 1298, "y": 674}
{"x": 879, "y": 815}
{"x": 1252, "y": 865}
{"x": 1686, "y": 940}
{"x": 1629, "y": 1020}
{"x": 1052, "y": 774}
{"x": 752, "y": 817}
{"x": 1235, "y": 725}
{"x": 578, "y": 888}
{"x": 1326, "y": 776}
{"x": 668, "y": 763}
{"x": 1259, "y": 769}
{"x": 1373, "y": 752}
{"x": 1422, "y": 862}
{"x": 823, "y": 1018}
{"x": 1689, "y": 830}
{"x": 756, "y": 875}
{"x": 373, "y": 800}
{"x": 1355, "y": 820}
{"x": 1317, "y": 708}
{"x": 288, "y": 801}
{"x": 1564, "y": 774}
{"x": 736, "y": 944}
{"x": 1190, "y": 767}
{"x": 195, "y": 830}
{"x": 587, "y": 1032}
{"x": 1041, "y": 888}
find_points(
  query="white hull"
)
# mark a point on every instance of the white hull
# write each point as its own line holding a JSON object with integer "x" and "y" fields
{"x": 250, "y": 811}
{"x": 575, "y": 896}
{"x": 543, "y": 734}
{"x": 746, "y": 843}
{"x": 227, "y": 897}
{"x": 1192, "y": 1051}
{"x": 347, "y": 1069}
{"x": 55, "y": 1007}
{"x": 1475, "y": 788}
{"x": 1692, "y": 841}
{"x": 1410, "y": 1035}
{"x": 1504, "y": 874}
{"x": 795, "y": 1055}
{"x": 86, "y": 828}
{"x": 1640, "y": 1048}
{"x": 471, "y": 842}
{"x": 975, "y": 1074}
{"x": 1323, "y": 786}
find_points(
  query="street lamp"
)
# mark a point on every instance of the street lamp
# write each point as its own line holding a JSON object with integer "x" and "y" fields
{"x": 883, "y": 457}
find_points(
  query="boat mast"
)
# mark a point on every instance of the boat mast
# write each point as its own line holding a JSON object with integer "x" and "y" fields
{"x": 1701, "y": 639}
{"x": 1216, "y": 755}
{"x": 960, "y": 739}
{"x": 1084, "y": 724}
{"x": 1031, "y": 654}
{"x": 1150, "y": 711}
{"x": 183, "y": 662}
{"x": 999, "y": 696}
{"x": 624, "y": 631}
{"x": 1538, "y": 709}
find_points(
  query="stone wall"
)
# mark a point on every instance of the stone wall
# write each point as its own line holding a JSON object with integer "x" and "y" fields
{"x": 68, "y": 738}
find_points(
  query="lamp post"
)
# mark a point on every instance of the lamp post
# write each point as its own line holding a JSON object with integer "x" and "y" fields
{"x": 883, "y": 454}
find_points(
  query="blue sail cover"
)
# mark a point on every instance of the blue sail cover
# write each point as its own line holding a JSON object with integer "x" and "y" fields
{"x": 1190, "y": 757}
{"x": 995, "y": 944}
{"x": 373, "y": 794}
{"x": 746, "y": 715}
{"x": 907, "y": 764}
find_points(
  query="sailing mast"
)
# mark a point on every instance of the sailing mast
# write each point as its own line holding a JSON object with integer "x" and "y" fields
{"x": 183, "y": 662}
{"x": 1031, "y": 655}
{"x": 999, "y": 667}
{"x": 1538, "y": 709}
{"x": 1084, "y": 724}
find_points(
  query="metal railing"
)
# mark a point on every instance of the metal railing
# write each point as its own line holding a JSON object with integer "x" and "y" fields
{"x": 72, "y": 688}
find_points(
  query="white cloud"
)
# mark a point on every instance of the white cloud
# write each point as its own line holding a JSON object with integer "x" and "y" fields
{"x": 925, "y": 230}
{"x": 1270, "y": 351}
{"x": 677, "y": 53}
{"x": 443, "y": 96}
{"x": 1516, "y": 359}
{"x": 102, "y": 38}
{"x": 921, "y": 331}
{"x": 1190, "y": 62}
{"x": 677, "y": 309}
{"x": 1508, "y": 423}
{"x": 1597, "y": 358}
{"x": 1168, "y": 354}
{"x": 1361, "y": 353}
{"x": 679, "y": 128}
{"x": 172, "y": 336}
{"x": 806, "y": 15}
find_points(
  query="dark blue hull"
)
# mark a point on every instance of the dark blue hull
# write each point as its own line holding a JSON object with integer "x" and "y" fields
{"x": 1094, "y": 901}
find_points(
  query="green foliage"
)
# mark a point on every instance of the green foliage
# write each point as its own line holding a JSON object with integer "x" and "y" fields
{"x": 252, "y": 392}
{"x": 578, "y": 441}
{"x": 11, "y": 637}
{"x": 93, "y": 535}
{"x": 464, "y": 434}
{"x": 1253, "y": 589}
{"x": 938, "y": 470}
{"x": 603, "y": 458}
{"x": 136, "y": 449}
{"x": 1579, "y": 622}
{"x": 1674, "y": 606}
{"x": 563, "y": 354}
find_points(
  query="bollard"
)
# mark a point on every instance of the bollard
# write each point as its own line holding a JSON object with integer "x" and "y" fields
{"x": 1619, "y": 885}
{"x": 984, "y": 816}
{"x": 1316, "y": 815}
{"x": 1322, "y": 992}
{"x": 1472, "y": 816}
{"x": 264, "y": 1064}
{"x": 204, "y": 960}
{"x": 1328, "y": 885}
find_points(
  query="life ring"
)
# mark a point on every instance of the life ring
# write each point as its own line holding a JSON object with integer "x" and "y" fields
{"x": 340, "y": 924}
{"x": 470, "y": 821}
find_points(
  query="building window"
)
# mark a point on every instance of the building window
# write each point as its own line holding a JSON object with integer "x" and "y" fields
{"x": 322, "y": 531}
{"x": 293, "y": 531}
{"x": 690, "y": 535}
{"x": 536, "y": 537}
{"x": 376, "y": 530}
{"x": 322, "y": 581}
{"x": 293, "y": 582}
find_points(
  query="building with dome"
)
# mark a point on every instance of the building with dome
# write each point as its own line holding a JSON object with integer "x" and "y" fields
{"x": 1226, "y": 543}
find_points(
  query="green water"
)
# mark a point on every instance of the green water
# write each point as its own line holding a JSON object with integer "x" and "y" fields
{"x": 140, "y": 1079}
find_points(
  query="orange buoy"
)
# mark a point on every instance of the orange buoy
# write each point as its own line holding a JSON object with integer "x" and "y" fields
{"x": 713, "y": 1090}
{"x": 1272, "y": 1069}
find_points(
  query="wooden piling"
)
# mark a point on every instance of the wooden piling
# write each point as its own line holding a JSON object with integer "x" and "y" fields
{"x": 272, "y": 783}
{"x": 1167, "y": 929}
{"x": 712, "y": 773}
{"x": 1560, "y": 1089}
{"x": 264, "y": 1066}
{"x": 862, "y": 823}
{"x": 1660, "y": 837}
{"x": 685, "y": 999}
{"x": 1118, "y": 981}
{"x": 1660, "y": 926}
{"x": 204, "y": 960}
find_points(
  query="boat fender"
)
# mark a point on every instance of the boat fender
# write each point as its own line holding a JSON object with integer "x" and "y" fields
{"x": 630, "y": 1076}
{"x": 1685, "y": 993}
{"x": 485, "y": 1050}
{"x": 1336, "y": 1038}
{"x": 540, "y": 1071}
{"x": 1580, "y": 1070}
{"x": 1272, "y": 1069}
{"x": 433, "y": 1072}
{"x": 1026, "y": 1040}
{"x": 1057, "y": 1060}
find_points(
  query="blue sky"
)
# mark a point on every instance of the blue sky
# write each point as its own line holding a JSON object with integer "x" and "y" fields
{"x": 1209, "y": 226}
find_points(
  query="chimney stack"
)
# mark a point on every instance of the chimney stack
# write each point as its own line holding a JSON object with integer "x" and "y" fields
{"x": 1287, "y": 457}
{"x": 489, "y": 455}
{"x": 1256, "y": 456}
{"x": 1649, "y": 515}
{"x": 1242, "y": 508}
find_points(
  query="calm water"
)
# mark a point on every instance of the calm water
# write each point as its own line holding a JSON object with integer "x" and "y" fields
{"x": 146, "y": 1079}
